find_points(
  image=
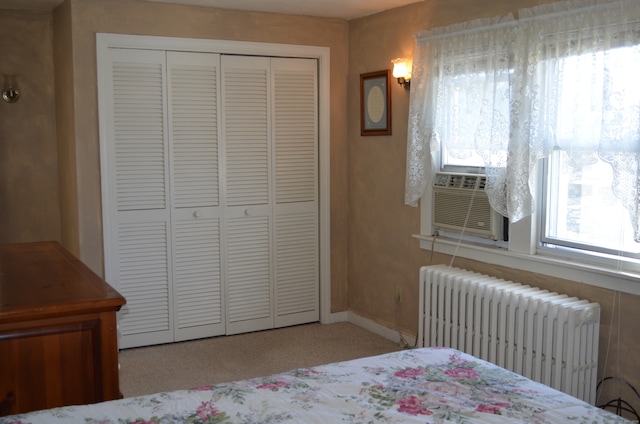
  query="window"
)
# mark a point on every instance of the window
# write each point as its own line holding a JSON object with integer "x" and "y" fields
{"x": 473, "y": 105}
{"x": 594, "y": 123}
{"x": 461, "y": 161}
{"x": 548, "y": 108}
{"x": 581, "y": 211}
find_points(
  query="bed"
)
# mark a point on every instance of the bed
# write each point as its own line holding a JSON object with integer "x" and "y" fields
{"x": 429, "y": 385}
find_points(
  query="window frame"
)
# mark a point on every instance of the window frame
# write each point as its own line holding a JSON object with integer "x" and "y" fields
{"x": 524, "y": 251}
{"x": 566, "y": 248}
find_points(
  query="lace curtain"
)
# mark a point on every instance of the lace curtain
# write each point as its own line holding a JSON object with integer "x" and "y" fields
{"x": 513, "y": 91}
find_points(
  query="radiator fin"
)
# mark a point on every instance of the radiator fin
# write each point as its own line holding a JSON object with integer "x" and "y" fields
{"x": 548, "y": 337}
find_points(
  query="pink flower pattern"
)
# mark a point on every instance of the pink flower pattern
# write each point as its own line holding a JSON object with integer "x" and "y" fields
{"x": 412, "y": 405}
{"x": 409, "y": 373}
{"x": 307, "y": 372}
{"x": 467, "y": 373}
{"x": 272, "y": 386}
{"x": 492, "y": 409}
{"x": 206, "y": 410}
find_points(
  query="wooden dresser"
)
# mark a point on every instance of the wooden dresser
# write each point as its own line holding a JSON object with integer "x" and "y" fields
{"x": 58, "y": 341}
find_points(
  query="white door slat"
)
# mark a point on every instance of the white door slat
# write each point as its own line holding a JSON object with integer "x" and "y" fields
{"x": 295, "y": 132}
{"x": 246, "y": 129}
{"x": 143, "y": 278}
{"x": 296, "y": 263}
{"x": 198, "y": 270}
{"x": 194, "y": 150}
{"x": 138, "y": 125}
{"x": 296, "y": 191}
{"x": 249, "y": 286}
{"x": 137, "y": 166}
{"x": 193, "y": 103}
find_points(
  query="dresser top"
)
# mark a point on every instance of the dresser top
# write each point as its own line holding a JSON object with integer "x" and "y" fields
{"x": 43, "y": 280}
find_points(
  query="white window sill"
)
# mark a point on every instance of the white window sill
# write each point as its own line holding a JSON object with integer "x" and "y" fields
{"x": 600, "y": 276}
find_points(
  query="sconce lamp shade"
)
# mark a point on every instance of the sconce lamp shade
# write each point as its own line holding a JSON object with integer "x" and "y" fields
{"x": 402, "y": 71}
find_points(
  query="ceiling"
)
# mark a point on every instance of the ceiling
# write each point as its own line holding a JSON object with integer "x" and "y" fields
{"x": 343, "y": 9}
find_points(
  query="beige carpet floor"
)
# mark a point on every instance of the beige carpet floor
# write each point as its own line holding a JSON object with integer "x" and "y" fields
{"x": 196, "y": 363}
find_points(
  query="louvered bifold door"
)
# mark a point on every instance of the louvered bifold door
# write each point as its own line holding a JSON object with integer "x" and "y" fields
{"x": 137, "y": 196}
{"x": 246, "y": 135}
{"x": 295, "y": 135}
{"x": 195, "y": 188}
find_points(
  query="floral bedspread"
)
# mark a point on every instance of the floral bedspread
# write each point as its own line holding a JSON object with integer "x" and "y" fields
{"x": 431, "y": 385}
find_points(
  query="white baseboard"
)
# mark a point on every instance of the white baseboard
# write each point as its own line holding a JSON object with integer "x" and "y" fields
{"x": 374, "y": 327}
{"x": 339, "y": 317}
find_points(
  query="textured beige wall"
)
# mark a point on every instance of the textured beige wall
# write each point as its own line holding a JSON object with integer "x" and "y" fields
{"x": 85, "y": 18}
{"x": 65, "y": 129}
{"x": 382, "y": 252}
{"x": 28, "y": 160}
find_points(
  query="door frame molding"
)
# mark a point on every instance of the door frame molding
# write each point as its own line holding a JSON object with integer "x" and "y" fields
{"x": 105, "y": 41}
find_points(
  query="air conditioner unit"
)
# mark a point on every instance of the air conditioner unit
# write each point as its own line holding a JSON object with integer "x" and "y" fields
{"x": 460, "y": 204}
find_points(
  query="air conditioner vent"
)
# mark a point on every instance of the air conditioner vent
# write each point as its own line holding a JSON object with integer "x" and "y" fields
{"x": 460, "y": 204}
{"x": 442, "y": 180}
{"x": 455, "y": 181}
{"x": 462, "y": 181}
{"x": 469, "y": 182}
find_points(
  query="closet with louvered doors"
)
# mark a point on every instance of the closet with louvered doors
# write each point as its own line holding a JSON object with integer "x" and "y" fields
{"x": 210, "y": 193}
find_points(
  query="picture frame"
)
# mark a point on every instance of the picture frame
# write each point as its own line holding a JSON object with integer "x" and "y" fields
{"x": 375, "y": 103}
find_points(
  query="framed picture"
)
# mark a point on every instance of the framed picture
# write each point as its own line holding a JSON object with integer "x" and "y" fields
{"x": 375, "y": 103}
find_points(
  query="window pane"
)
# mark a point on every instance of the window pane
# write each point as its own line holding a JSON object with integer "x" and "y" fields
{"x": 598, "y": 98}
{"x": 460, "y": 158}
{"x": 473, "y": 114}
{"x": 582, "y": 210}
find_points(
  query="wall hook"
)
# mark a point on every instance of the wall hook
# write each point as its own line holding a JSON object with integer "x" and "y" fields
{"x": 10, "y": 90}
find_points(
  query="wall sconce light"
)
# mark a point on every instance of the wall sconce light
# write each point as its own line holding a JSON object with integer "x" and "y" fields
{"x": 10, "y": 89}
{"x": 402, "y": 71}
